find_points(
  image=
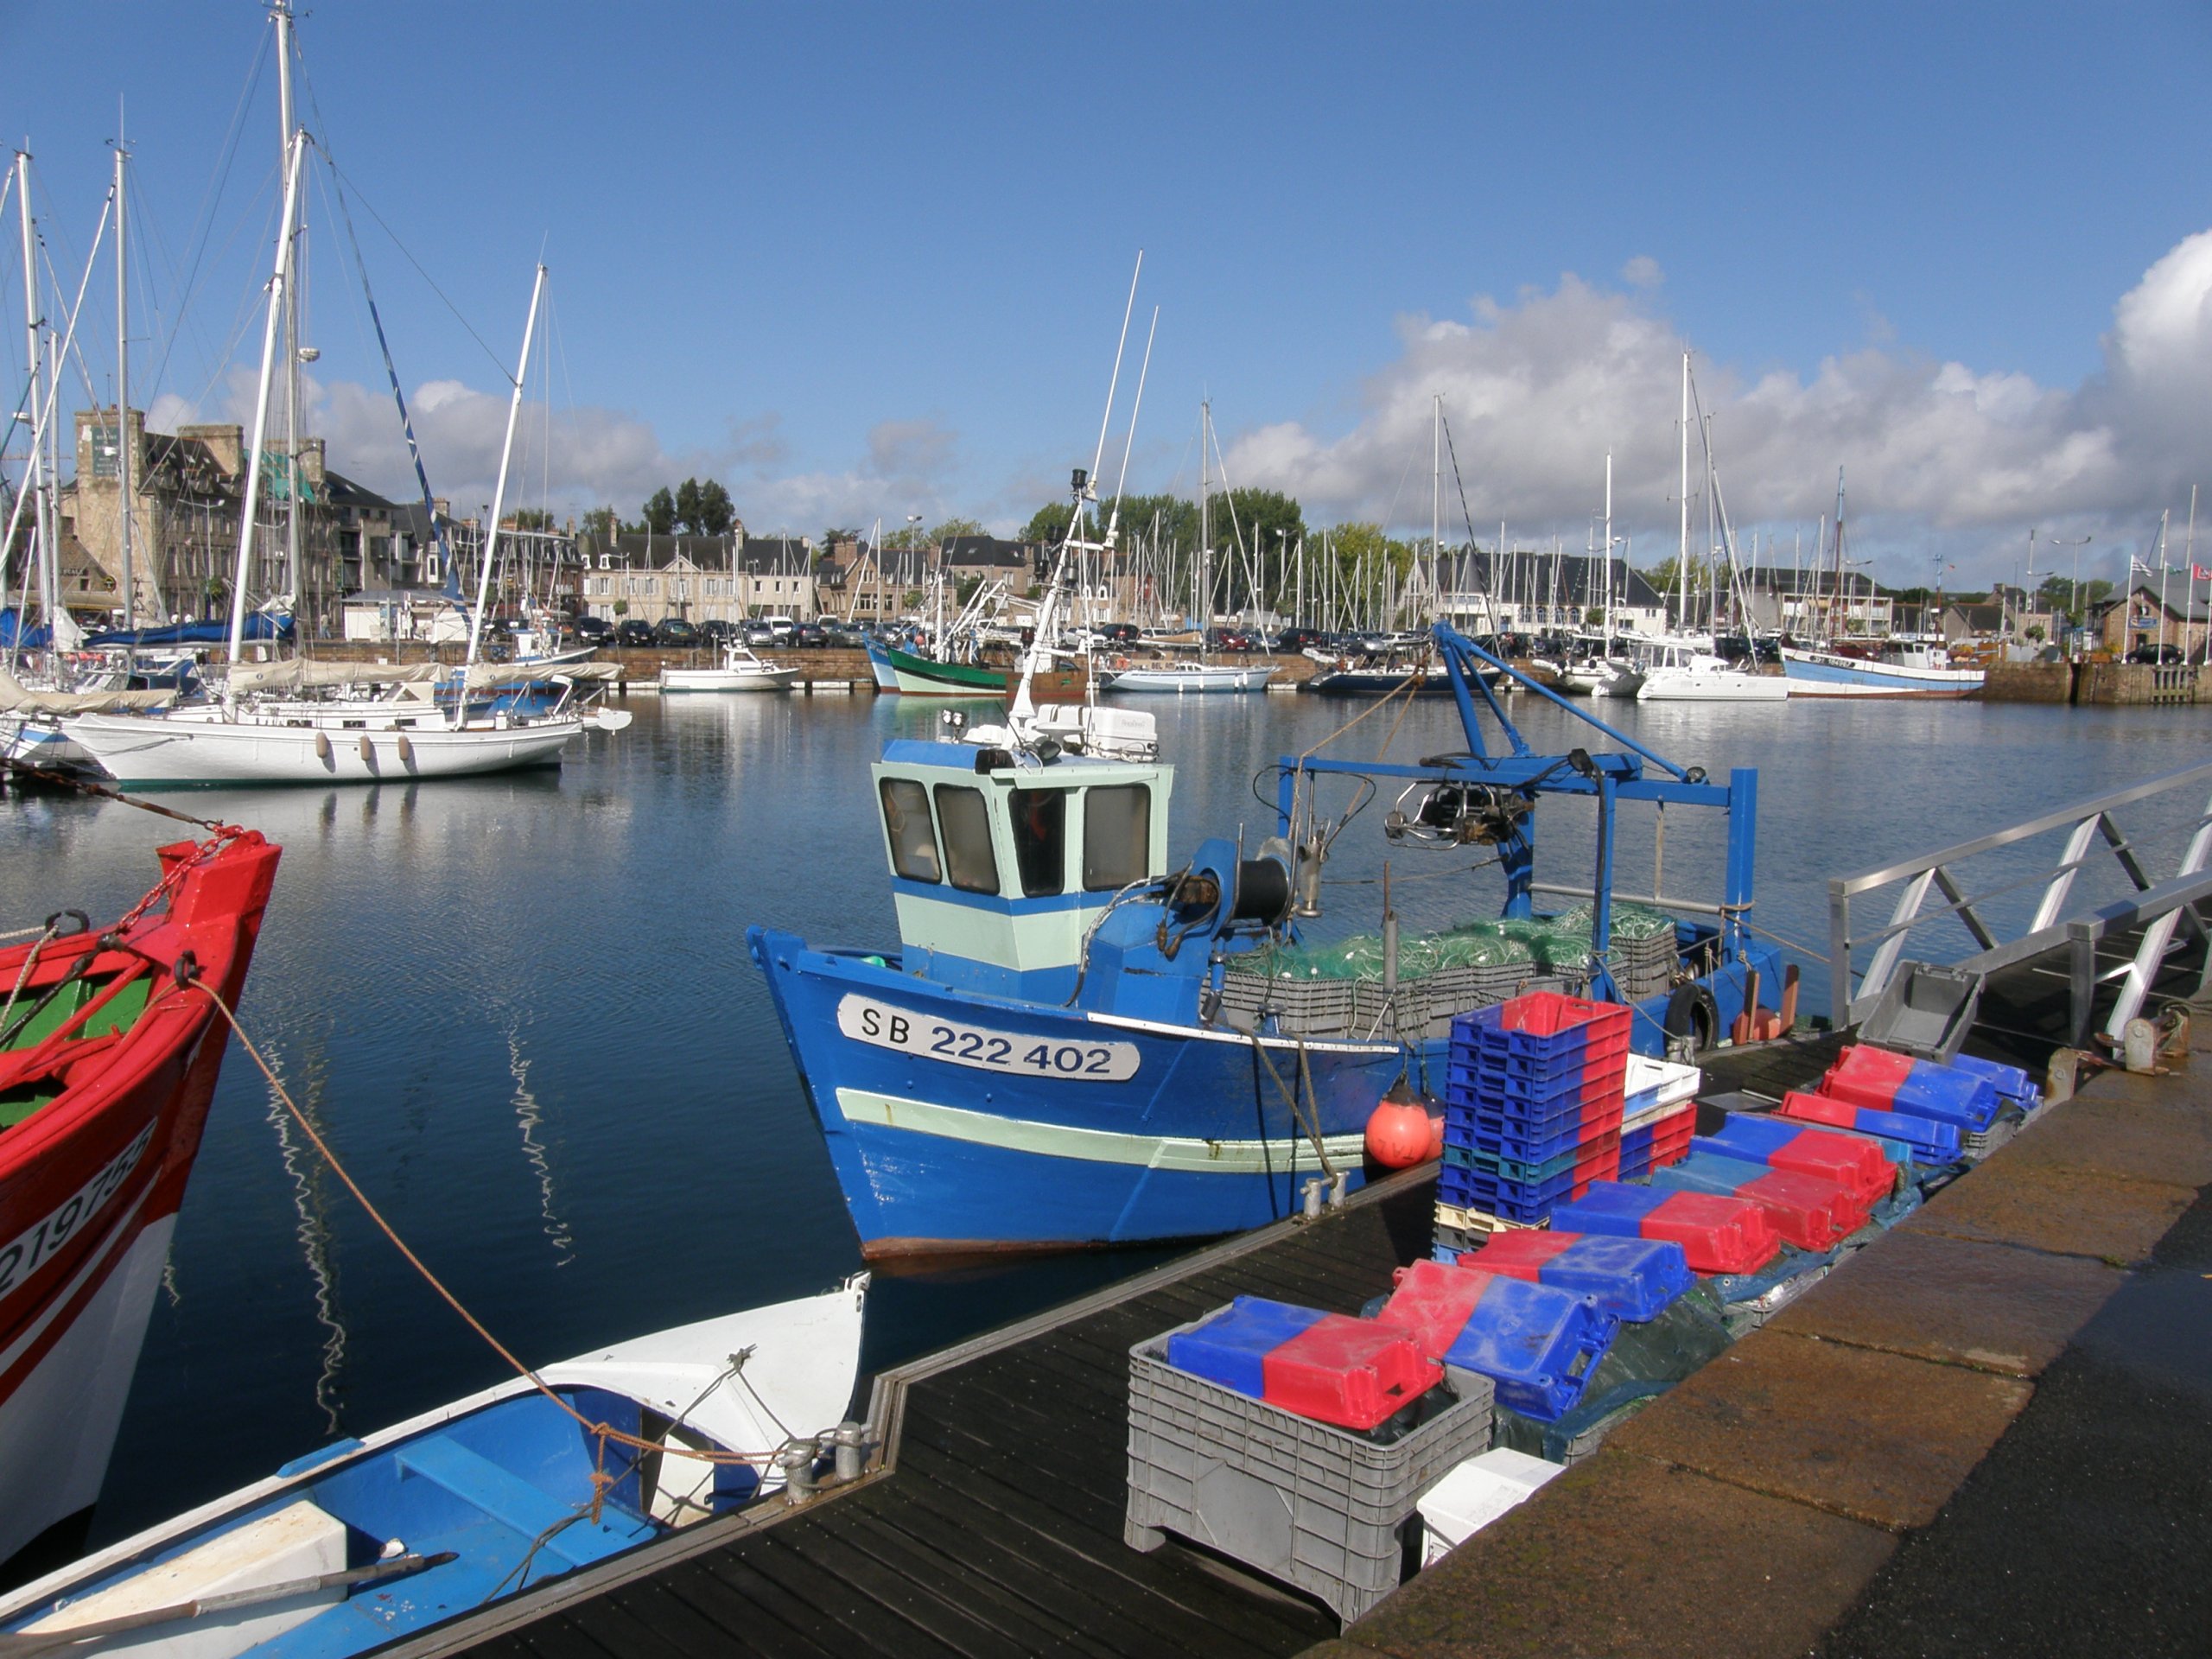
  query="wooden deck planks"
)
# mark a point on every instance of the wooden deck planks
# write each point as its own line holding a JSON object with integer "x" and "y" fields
{"x": 998, "y": 1533}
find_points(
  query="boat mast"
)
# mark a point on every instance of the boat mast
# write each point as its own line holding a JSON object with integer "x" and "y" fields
{"x": 499, "y": 491}
{"x": 1435, "y": 493}
{"x": 36, "y": 477}
{"x": 282, "y": 10}
{"x": 1839, "y": 596}
{"x": 1609, "y": 554}
{"x": 1682, "y": 549}
{"x": 123, "y": 413}
{"x": 279, "y": 281}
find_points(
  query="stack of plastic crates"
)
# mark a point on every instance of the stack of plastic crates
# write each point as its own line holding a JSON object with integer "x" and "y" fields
{"x": 1532, "y": 1111}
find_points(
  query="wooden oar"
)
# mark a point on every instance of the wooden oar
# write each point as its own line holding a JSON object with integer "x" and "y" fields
{"x": 20, "y": 1644}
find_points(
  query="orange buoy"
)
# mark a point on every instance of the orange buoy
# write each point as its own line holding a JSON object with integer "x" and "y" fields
{"x": 1398, "y": 1130}
{"x": 1436, "y": 1134}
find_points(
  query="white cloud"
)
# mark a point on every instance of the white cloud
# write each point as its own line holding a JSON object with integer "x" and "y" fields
{"x": 1937, "y": 454}
{"x": 1642, "y": 272}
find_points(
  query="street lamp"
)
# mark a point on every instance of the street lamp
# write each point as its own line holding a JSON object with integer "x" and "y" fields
{"x": 2075, "y": 608}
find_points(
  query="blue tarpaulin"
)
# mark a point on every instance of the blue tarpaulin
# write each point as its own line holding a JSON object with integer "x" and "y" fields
{"x": 257, "y": 626}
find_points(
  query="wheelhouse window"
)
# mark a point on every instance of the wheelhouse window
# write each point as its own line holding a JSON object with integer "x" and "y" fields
{"x": 1116, "y": 835}
{"x": 906, "y": 821}
{"x": 1040, "y": 840}
{"x": 965, "y": 820}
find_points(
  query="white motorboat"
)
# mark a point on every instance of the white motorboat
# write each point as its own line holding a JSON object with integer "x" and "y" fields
{"x": 1682, "y": 674}
{"x": 368, "y": 1541}
{"x": 1191, "y": 678}
{"x": 739, "y": 671}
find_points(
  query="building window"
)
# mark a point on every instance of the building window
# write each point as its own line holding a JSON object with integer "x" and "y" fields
{"x": 607, "y": 561}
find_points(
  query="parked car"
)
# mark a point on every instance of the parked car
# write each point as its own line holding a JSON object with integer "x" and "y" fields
{"x": 2157, "y": 654}
{"x": 592, "y": 630}
{"x": 633, "y": 630}
{"x": 717, "y": 631}
{"x": 674, "y": 634}
{"x": 844, "y": 634}
{"x": 810, "y": 635}
{"x": 1297, "y": 639}
{"x": 757, "y": 633}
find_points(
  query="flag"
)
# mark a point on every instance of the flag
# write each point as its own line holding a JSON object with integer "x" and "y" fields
{"x": 2198, "y": 572}
{"x": 2136, "y": 568}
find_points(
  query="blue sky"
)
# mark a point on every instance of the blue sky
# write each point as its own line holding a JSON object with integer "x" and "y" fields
{"x": 864, "y": 260}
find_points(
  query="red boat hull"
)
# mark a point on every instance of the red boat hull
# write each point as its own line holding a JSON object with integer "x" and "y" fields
{"x": 91, "y": 1180}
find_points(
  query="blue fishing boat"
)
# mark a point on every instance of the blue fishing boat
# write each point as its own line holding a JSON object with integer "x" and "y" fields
{"x": 368, "y": 1541}
{"x": 1076, "y": 1042}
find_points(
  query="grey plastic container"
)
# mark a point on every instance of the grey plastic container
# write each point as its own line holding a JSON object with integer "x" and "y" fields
{"x": 1925, "y": 1010}
{"x": 1643, "y": 967}
{"x": 1309, "y": 1505}
{"x": 1302, "y": 1008}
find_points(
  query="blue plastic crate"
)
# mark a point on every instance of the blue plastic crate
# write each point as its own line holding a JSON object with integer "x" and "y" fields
{"x": 1506, "y": 1138}
{"x": 1632, "y": 1279}
{"x": 1231, "y": 1347}
{"x": 1538, "y": 1345}
{"x": 1481, "y": 1158}
{"x": 2012, "y": 1085}
{"x": 1481, "y": 1086}
{"x": 1521, "y": 1201}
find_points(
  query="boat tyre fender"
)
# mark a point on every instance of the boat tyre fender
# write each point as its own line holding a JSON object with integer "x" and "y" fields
{"x": 1691, "y": 1012}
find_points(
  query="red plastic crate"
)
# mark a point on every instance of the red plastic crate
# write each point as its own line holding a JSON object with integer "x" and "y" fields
{"x": 1351, "y": 1372}
{"x": 1810, "y": 1211}
{"x": 1432, "y": 1303}
{"x": 1717, "y": 1235}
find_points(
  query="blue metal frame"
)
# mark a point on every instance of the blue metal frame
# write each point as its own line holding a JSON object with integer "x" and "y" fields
{"x": 1609, "y": 777}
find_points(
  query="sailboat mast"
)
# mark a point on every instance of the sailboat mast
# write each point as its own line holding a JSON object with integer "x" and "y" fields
{"x": 1683, "y": 547}
{"x": 1435, "y": 491}
{"x": 499, "y": 491}
{"x": 122, "y": 445}
{"x": 282, "y": 10}
{"x": 1609, "y": 552}
{"x": 279, "y": 281}
{"x": 34, "y": 476}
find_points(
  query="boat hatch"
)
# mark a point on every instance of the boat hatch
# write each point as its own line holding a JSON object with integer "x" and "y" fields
{"x": 997, "y": 873}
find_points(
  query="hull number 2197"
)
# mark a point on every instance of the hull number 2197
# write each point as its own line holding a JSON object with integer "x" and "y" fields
{"x": 866, "y": 1021}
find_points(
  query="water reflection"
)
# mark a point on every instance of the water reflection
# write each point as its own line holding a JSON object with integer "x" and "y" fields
{"x": 527, "y": 1118}
{"x": 310, "y": 1182}
{"x": 555, "y": 961}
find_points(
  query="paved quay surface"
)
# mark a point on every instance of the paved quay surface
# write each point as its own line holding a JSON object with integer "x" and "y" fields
{"x": 1988, "y": 1432}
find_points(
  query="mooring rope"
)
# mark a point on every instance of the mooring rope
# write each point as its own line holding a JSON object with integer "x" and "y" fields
{"x": 604, "y": 1433}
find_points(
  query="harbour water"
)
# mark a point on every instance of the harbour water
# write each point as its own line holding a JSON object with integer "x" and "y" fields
{"x": 521, "y": 1010}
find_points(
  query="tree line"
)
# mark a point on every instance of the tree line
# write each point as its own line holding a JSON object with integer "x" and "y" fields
{"x": 695, "y": 507}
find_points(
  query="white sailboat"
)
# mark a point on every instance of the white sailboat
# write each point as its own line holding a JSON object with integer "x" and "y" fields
{"x": 1201, "y": 676}
{"x": 245, "y": 740}
{"x": 1684, "y": 669}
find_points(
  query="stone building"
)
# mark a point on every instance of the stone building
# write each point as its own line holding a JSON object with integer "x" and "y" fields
{"x": 2145, "y": 617}
{"x": 187, "y": 491}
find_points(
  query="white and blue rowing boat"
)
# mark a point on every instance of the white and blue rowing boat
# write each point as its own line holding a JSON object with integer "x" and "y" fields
{"x": 368, "y": 1540}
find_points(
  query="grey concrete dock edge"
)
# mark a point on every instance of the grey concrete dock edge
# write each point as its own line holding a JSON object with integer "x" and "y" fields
{"x": 1749, "y": 1510}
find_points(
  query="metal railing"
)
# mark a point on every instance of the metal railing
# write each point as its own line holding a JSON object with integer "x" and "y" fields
{"x": 2160, "y": 909}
